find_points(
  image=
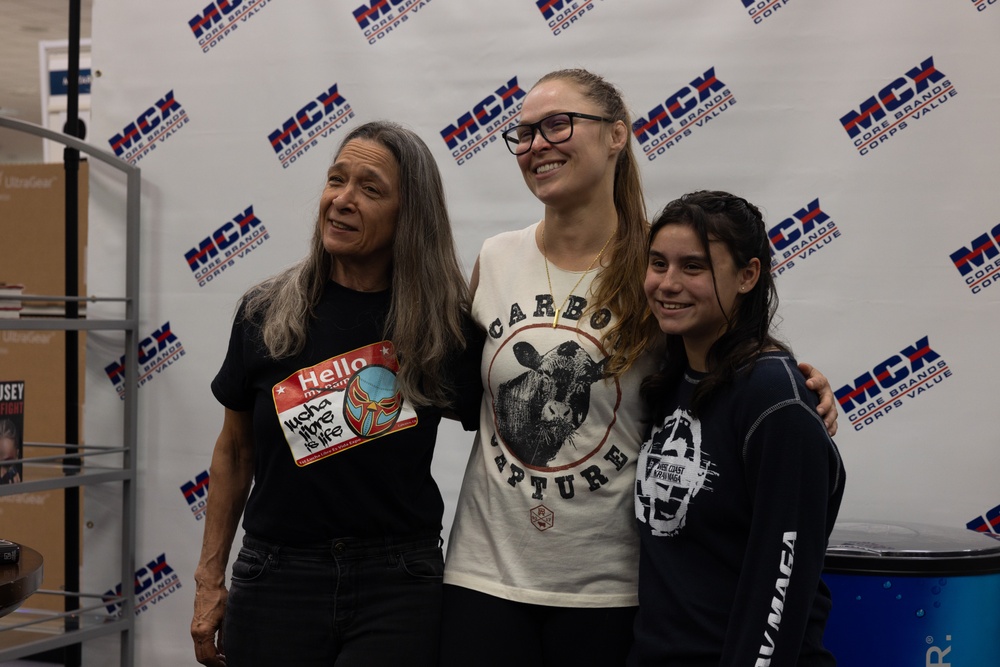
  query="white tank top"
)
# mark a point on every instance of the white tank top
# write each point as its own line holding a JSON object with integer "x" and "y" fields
{"x": 545, "y": 515}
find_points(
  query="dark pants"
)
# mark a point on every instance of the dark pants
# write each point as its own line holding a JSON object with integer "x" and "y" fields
{"x": 487, "y": 631}
{"x": 348, "y": 602}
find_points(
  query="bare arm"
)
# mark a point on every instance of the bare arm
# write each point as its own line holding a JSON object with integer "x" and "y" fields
{"x": 827, "y": 407}
{"x": 230, "y": 477}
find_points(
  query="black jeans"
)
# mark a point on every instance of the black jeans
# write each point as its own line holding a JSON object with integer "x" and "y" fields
{"x": 346, "y": 602}
{"x": 487, "y": 631}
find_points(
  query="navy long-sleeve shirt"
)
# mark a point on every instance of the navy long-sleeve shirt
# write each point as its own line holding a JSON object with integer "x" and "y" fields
{"x": 734, "y": 510}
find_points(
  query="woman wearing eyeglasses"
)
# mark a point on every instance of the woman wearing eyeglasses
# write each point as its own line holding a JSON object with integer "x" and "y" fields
{"x": 542, "y": 562}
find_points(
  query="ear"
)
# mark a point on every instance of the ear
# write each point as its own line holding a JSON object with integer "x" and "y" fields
{"x": 526, "y": 355}
{"x": 749, "y": 275}
{"x": 620, "y": 135}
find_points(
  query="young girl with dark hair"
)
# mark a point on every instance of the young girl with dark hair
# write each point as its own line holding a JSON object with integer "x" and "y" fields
{"x": 739, "y": 484}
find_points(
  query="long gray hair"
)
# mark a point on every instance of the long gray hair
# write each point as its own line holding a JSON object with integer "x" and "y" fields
{"x": 429, "y": 290}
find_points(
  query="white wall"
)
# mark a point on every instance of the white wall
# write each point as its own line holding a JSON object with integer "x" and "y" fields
{"x": 879, "y": 278}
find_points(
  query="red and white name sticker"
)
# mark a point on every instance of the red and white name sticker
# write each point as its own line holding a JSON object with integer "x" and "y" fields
{"x": 341, "y": 402}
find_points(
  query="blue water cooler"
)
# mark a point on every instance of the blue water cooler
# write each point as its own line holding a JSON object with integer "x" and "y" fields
{"x": 913, "y": 595}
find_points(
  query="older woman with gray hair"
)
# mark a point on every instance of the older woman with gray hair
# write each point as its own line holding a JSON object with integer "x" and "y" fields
{"x": 337, "y": 374}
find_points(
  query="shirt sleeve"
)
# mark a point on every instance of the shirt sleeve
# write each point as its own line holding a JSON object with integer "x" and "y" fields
{"x": 467, "y": 378}
{"x": 794, "y": 477}
{"x": 231, "y": 385}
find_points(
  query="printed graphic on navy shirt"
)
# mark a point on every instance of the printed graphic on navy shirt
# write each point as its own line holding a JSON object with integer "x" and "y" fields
{"x": 672, "y": 469}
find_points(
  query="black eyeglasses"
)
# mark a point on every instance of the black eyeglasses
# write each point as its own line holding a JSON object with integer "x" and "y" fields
{"x": 555, "y": 129}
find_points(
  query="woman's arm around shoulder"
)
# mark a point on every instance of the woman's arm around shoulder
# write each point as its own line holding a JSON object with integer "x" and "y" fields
{"x": 827, "y": 407}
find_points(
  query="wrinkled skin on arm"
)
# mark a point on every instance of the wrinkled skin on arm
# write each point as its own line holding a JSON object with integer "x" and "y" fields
{"x": 231, "y": 474}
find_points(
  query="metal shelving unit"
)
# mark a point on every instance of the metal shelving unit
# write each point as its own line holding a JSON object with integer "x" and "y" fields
{"x": 27, "y": 632}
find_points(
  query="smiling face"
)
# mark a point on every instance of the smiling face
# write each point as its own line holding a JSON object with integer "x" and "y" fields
{"x": 574, "y": 169}
{"x": 358, "y": 211}
{"x": 685, "y": 297}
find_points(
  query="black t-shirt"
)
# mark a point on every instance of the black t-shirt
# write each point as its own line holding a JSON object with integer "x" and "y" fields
{"x": 734, "y": 511}
{"x": 377, "y": 485}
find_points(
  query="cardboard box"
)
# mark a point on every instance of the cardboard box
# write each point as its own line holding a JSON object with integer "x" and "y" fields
{"x": 32, "y": 252}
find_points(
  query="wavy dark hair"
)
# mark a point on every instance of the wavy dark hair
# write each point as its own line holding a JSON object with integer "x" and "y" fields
{"x": 735, "y": 222}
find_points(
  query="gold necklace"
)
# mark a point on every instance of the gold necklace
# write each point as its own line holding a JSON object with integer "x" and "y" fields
{"x": 555, "y": 320}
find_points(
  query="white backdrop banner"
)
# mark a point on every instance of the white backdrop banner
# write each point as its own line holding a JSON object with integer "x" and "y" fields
{"x": 866, "y": 132}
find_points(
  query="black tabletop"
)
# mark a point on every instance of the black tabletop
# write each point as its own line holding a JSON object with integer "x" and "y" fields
{"x": 20, "y": 580}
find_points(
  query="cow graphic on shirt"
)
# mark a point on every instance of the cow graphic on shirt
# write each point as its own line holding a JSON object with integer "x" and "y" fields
{"x": 539, "y": 411}
{"x": 670, "y": 472}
